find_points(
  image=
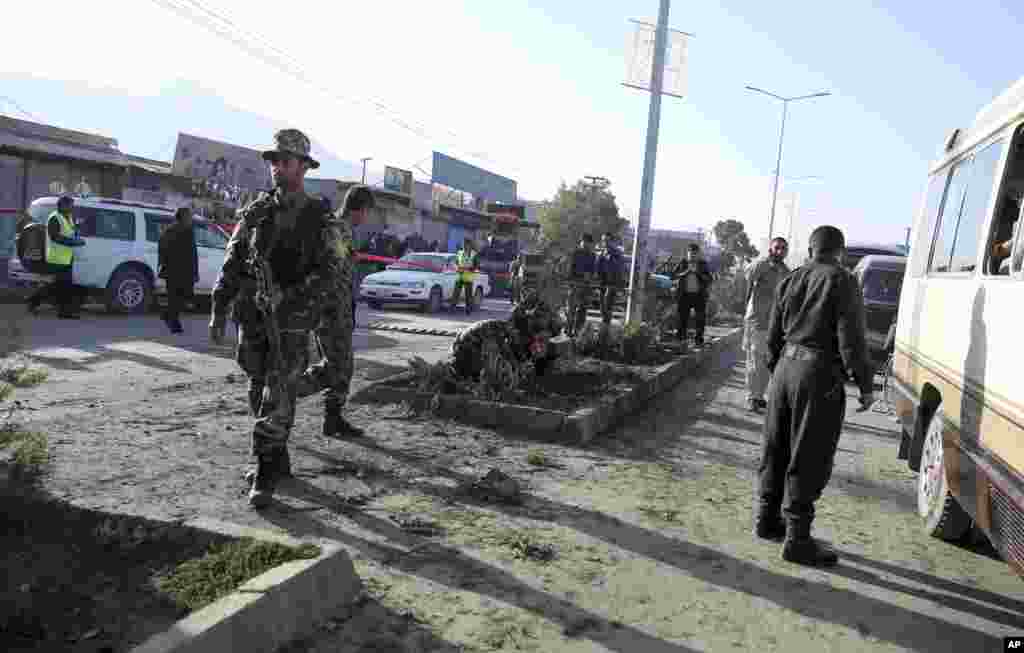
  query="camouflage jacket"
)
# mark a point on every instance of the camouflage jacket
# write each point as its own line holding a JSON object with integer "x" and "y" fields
{"x": 311, "y": 264}
{"x": 468, "y": 346}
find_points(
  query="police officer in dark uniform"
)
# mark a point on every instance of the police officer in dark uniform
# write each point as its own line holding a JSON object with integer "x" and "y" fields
{"x": 816, "y": 338}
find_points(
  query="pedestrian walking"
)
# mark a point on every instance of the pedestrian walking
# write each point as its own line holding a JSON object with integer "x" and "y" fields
{"x": 62, "y": 238}
{"x": 283, "y": 267}
{"x": 611, "y": 270}
{"x": 763, "y": 277}
{"x": 466, "y": 262}
{"x": 332, "y": 374}
{"x": 816, "y": 339}
{"x": 692, "y": 293}
{"x": 178, "y": 266}
{"x": 582, "y": 275}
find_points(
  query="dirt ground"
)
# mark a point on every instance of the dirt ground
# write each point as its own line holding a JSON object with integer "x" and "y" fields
{"x": 638, "y": 542}
{"x": 80, "y": 580}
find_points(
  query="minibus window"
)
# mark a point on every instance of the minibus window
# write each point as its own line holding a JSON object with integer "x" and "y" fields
{"x": 975, "y": 208}
{"x": 949, "y": 218}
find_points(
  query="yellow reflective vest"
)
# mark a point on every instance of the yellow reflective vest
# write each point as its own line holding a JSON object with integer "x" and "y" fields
{"x": 57, "y": 254}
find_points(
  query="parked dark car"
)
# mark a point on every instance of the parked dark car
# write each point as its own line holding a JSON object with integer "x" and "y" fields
{"x": 855, "y": 252}
{"x": 881, "y": 279}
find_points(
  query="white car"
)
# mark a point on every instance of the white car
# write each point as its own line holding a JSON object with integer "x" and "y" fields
{"x": 119, "y": 260}
{"x": 426, "y": 279}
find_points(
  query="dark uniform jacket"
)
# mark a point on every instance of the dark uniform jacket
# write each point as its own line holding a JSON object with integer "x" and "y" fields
{"x": 703, "y": 276}
{"x": 583, "y": 263}
{"x": 820, "y": 307}
{"x": 177, "y": 256}
{"x": 611, "y": 266}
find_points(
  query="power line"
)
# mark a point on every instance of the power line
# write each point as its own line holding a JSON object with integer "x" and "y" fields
{"x": 261, "y": 48}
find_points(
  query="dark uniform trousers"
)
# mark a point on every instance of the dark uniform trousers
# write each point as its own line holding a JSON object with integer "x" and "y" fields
{"x": 807, "y": 406}
{"x": 698, "y": 302}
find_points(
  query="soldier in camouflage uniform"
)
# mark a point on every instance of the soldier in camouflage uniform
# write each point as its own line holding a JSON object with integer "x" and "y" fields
{"x": 282, "y": 268}
{"x": 523, "y": 338}
{"x": 333, "y": 372}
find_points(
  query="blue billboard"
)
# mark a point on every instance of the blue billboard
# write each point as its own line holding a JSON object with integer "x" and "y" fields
{"x": 470, "y": 179}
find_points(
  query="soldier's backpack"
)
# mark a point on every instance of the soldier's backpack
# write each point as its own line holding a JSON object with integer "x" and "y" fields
{"x": 30, "y": 244}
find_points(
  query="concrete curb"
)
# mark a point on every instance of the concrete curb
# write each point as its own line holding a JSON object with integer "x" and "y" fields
{"x": 277, "y": 607}
{"x": 581, "y": 426}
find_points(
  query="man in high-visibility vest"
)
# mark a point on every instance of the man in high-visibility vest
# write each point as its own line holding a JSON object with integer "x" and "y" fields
{"x": 466, "y": 262}
{"x": 61, "y": 238}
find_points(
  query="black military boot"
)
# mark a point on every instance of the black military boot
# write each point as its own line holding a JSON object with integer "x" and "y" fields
{"x": 801, "y": 548}
{"x": 265, "y": 479}
{"x": 768, "y": 524}
{"x": 336, "y": 426}
{"x": 283, "y": 464}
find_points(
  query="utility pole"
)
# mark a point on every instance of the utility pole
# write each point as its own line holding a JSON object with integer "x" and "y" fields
{"x": 638, "y": 275}
{"x": 364, "y": 160}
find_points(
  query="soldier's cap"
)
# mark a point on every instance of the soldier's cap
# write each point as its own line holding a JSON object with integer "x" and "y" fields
{"x": 291, "y": 142}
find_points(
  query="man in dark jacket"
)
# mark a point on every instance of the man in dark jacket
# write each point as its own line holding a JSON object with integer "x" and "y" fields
{"x": 692, "y": 293}
{"x": 582, "y": 273}
{"x": 816, "y": 339}
{"x": 178, "y": 266}
{"x": 611, "y": 269}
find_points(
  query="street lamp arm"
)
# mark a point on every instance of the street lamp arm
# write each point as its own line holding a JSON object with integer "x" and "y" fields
{"x": 761, "y": 90}
{"x": 807, "y": 97}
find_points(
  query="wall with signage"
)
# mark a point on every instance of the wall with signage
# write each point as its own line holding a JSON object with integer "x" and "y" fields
{"x": 468, "y": 178}
{"x": 222, "y": 172}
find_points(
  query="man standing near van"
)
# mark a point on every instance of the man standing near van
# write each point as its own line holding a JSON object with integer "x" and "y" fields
{"x": 611, "y": 267}
{"x": 178, "y": 266}
{"x": 815, "y": 340}
{"x": 61, "y": 239}
{"x": 763, "y": 278}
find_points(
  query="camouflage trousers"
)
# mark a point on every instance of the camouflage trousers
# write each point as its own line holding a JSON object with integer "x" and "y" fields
{"x": 274, "y": 410}
{"x": 333, "y": 372}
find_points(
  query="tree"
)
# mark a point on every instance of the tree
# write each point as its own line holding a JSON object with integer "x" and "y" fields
{"x": 735, "y": 243}
{"x": 581, "y": 208}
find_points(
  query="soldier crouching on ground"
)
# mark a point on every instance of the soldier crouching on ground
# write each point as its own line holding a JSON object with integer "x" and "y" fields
{"x": 522, "y": 339}
{"x": 282, "y": 264}
{"x": 816, "y": 337}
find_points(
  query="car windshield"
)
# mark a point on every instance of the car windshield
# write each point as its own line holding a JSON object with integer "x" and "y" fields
{"x": 883, "y": 285}
{"x": 431, "y": 262}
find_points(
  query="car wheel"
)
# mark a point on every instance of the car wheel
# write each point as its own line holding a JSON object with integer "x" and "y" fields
{"x": 375, "y": 305}
{"x": 129, "y": 291}
{"x": 433, "y": 305}
{"x": 943, "y": 516}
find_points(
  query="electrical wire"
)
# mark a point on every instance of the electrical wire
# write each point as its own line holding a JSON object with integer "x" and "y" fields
{"x": 259, "y": 47}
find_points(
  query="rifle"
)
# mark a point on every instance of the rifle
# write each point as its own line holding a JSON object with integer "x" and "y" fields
{"x": 266, "y": 300}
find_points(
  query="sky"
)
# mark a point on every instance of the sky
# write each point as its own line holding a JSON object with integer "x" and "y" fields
{"x": 531, "y": 89}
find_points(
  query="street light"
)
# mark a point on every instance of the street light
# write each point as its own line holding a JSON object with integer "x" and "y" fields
{"x": 364, "y": 160}
{"x": 782, "y": 132}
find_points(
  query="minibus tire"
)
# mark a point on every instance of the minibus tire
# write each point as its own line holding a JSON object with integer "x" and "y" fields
{"x": 943, "y": 516}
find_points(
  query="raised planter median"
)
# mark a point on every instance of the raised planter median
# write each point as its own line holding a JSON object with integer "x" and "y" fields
{"x": 580, "y": 424}
{"x": 277, "y": 607}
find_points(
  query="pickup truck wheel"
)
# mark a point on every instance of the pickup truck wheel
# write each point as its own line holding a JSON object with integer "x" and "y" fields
{"x": 943, "y": 516}
{"x": 129, "y": 291}
{"x": 433, "y": 304}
